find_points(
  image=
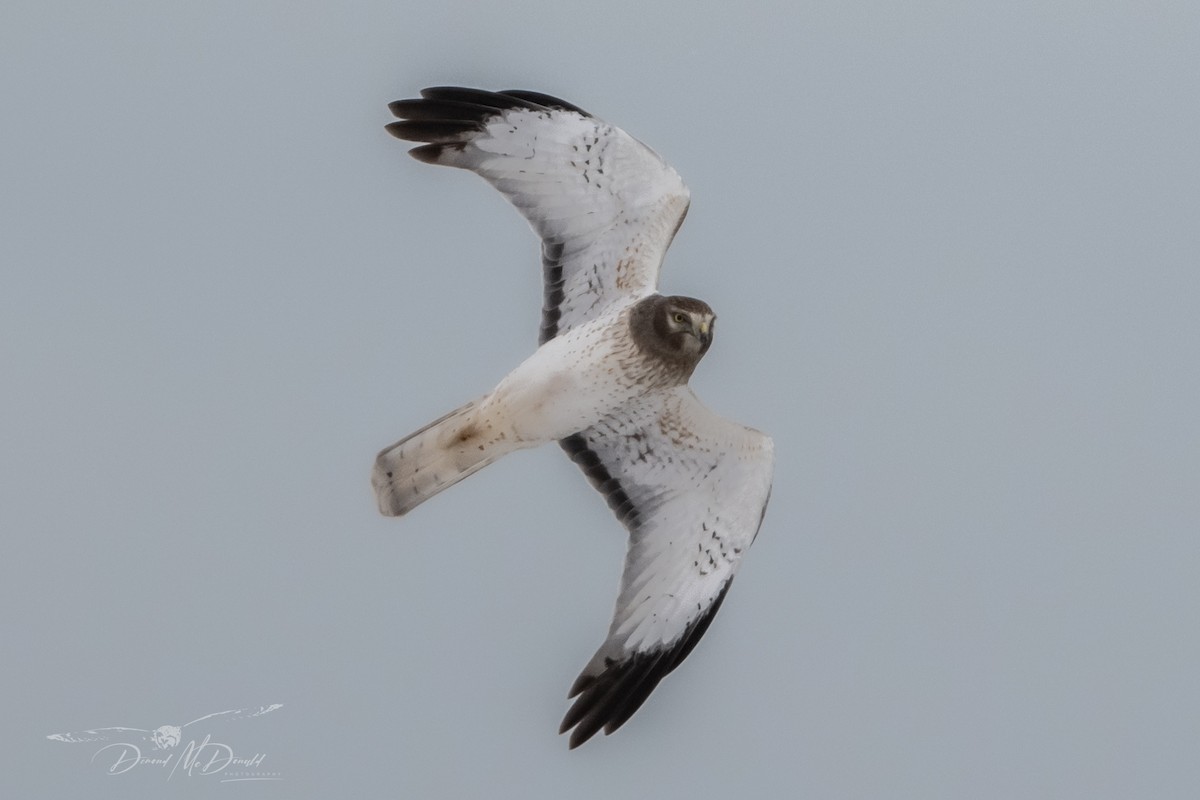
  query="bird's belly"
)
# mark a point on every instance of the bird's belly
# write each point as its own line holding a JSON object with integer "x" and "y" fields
{"x": 559, "y": 391}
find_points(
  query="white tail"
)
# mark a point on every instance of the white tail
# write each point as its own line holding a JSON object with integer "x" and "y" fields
{"x": 430, "y": 460}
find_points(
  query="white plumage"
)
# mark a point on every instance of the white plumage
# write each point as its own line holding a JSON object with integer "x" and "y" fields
{"x": 609, "y": 381}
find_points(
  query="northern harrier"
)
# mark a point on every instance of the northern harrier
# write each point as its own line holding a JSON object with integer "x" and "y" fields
{"x": 608, "y": 382}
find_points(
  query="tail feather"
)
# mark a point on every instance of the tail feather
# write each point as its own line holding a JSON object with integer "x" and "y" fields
{"x": 429, "y": 461}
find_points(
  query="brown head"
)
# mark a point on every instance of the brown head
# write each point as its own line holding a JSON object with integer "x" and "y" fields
{"x": 675, "y": 330}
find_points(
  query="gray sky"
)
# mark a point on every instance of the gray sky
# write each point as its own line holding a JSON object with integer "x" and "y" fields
{"x": 953, "y": 248}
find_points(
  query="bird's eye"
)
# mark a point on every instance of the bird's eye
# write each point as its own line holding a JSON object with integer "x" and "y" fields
{"x": 680, "y": 317}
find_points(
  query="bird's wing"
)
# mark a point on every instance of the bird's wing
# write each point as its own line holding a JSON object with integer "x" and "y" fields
{"x": 605, "y": 206}
{"x": 237, "y": 713}
{"x": 692, "y": 489}
{"x": 100, "y": 735}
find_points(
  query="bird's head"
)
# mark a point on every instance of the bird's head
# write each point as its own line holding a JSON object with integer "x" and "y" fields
{"x": 675, "y": 331}
{"x": 685, "y": 325}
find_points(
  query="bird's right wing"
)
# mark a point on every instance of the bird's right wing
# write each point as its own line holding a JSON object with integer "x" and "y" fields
{"x": 692, "y": 489}
{"x": 605, "y": 206}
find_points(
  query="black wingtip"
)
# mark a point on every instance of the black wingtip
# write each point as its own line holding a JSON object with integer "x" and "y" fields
{"x": 450, "y": 116}
{"x": 440, "y": 110}
{"x": 455, "y": 106}
{"x": 608, "y": 700}
{"x": 497, "y": 101}
{"x": 545, "y": 100}
{"x": 431, "y": 131}
{"x": 614, "y": 696}
{"x": 432, "y": 153}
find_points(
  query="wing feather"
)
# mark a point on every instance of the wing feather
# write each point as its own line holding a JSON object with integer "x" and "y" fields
{"x": 605, "y": 206}
{"x": 691, "y": 488}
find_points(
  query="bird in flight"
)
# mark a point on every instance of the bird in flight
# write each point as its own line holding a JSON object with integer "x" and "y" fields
{"x": 608, "y": 382}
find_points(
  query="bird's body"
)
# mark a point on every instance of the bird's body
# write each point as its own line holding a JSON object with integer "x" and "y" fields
{"x": 540, "y": 401}
{"x": 609, "y": 381}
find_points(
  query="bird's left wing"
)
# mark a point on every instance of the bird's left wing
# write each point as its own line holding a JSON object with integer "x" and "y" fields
{"x": 692, "y": 489}
{"x": 605, "y": 205}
